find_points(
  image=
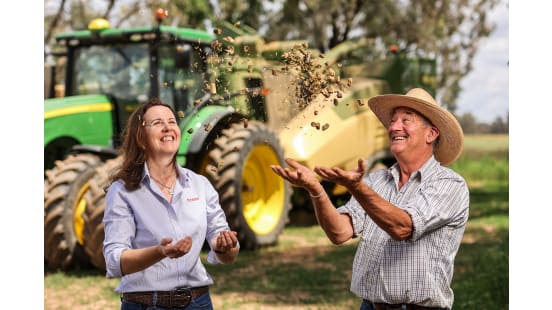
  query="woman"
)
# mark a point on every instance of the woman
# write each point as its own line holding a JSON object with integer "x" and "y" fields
{"x": 158, "y": 216}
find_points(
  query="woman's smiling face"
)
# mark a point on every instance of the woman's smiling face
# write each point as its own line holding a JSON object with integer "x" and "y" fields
{"x": 162, "y": 132}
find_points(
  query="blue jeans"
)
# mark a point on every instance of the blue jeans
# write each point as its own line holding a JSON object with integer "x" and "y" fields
{"x": 203, "y": 302}
{"x": 365, "y": 305}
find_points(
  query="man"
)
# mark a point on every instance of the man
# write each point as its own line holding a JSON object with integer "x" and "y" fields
{"x": 410, "y": 218}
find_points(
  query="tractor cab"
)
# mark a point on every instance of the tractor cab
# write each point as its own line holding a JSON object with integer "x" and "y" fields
{"x": 129, "y": 66}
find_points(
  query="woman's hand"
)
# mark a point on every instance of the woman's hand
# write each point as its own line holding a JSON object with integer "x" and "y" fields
{"x": 226, "y": 241}
{"x": 225, "y": 246}
{"x": 348, "y": 179}
{"x": 301, "y": 176}
{"x": 176, "y": 250}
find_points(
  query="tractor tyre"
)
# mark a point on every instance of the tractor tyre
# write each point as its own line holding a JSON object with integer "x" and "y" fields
{"x": 95, "y": 207}
{"x": 255, "y": 200}
{"x": 64, "y": 189}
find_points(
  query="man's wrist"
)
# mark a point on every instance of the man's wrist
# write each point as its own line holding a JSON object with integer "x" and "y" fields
{"x": 316, "y": 195}
{"x": 354, "y": 186}
{"x": 316, "y": 192}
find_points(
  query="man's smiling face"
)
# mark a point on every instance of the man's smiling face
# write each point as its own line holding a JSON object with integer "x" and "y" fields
{"x": 409, "y": 133}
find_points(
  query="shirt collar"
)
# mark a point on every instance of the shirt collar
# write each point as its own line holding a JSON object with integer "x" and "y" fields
{"x": 427, "y": 169}
{"x": 183, "y": 175}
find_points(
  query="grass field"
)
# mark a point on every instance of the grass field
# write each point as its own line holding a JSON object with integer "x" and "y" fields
{"x": 304, "y": 271}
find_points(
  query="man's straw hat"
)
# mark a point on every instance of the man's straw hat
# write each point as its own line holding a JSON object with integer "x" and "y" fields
{"x": 451, "y": 137}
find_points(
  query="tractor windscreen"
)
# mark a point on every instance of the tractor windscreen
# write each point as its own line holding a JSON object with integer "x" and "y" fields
{"x": 119, "y": 70}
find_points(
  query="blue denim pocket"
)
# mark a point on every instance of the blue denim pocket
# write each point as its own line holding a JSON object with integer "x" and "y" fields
{"x": 203, "y": 302}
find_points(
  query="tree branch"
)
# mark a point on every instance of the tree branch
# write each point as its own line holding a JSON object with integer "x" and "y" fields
{"x": 109, "y": 8}
{"x": 54, "y": 22}
{"x": 133, "y": 10}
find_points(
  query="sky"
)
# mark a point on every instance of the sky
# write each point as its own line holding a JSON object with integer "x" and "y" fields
{"x": 485, "y": 88}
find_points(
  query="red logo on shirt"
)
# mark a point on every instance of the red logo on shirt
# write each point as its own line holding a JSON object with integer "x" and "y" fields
{"x": 192, "y": 199}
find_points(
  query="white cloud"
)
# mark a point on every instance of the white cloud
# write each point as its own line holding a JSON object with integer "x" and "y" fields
{"x": 485, "y": 89}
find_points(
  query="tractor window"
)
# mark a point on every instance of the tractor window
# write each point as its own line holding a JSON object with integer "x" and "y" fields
{"x": 181, "y": 72}
{"x": 118, "y": 70}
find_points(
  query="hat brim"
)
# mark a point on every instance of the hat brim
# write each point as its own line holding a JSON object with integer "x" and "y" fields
{"x": 451, "y": 136}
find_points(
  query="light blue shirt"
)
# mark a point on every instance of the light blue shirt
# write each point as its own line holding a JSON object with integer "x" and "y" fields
{"x": 143, "y": 217}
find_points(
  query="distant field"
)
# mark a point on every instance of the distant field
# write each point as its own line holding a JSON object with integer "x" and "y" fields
{"x": 304, "y": 271}
{"x": 476, "y": 146}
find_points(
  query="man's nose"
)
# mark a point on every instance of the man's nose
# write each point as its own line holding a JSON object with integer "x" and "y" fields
{"x": 393, "y": 125}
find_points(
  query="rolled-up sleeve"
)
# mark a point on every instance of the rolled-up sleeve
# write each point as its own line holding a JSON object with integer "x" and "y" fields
{"x": 119, "y": 228}
{"x": 443, "y": 202}
{"x": 356, "y": 213}
{"x": 216, "y": 219}
{"x": 354, "y": 209}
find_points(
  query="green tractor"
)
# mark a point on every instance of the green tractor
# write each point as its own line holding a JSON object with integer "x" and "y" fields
{"x": 109, "y": 72}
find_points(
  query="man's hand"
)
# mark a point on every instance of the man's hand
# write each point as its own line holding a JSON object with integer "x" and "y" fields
{"x": 176, "y": 250}
{"x": 301, "y": 176}
{"x": 226, "y": 241}
{"x": 348, "y": 179}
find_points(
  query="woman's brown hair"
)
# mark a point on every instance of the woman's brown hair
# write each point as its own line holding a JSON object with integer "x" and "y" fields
{"x": 133, "y": 148}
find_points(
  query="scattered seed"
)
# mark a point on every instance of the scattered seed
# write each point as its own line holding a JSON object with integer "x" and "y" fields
{"x": 359, "y": 101}
{"x": 326, "y": 126}
{"x": 190, "y": 131}
{"x": 315, "y": 125}
{"x": 217, "y": 31}
{"x": 245, "y": 123}
{"x": 180, "y": 114}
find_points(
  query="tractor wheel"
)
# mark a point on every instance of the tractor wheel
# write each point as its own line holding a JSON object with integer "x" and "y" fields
{"x": 93, "y": 216}
{"x": 255, "y": 200}
{"x": 64, "y": 189}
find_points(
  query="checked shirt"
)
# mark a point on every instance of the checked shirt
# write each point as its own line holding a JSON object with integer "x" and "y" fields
{"x": 418, "y": 270}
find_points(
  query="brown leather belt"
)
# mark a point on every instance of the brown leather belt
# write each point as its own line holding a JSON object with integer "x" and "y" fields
{"x": 177, "y": 298}
{"x": 382, "y": 306}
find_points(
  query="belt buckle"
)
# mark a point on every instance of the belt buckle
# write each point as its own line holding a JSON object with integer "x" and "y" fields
{"x": 184, "y": 292}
